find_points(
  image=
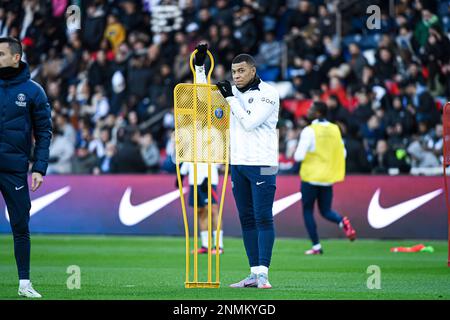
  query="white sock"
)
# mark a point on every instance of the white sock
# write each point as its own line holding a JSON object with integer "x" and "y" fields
{"x": 263, "y": 269}
{"x": 220, "y": 238}
{"x": 317, "y": 246}
{"x": 204, "y": 236}
{"x": 254, "y": 270}
{"x": 24, "y": 283}
{"x": 341, "y": 224}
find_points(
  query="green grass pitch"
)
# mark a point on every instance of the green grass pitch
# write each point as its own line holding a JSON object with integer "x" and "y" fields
{"x": 119, "y": 267}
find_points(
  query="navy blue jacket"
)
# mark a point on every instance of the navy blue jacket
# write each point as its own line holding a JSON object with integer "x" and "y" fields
{"x": 24, "y": 109}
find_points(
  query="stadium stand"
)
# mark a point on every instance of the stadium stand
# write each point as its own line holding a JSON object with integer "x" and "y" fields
{"x": 111, "y": 82}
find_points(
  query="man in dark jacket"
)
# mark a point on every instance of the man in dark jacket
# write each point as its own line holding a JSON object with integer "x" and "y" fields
{"x": 23, "y": 108}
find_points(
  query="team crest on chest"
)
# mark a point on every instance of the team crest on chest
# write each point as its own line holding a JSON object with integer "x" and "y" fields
{"x": 21, "y": 100}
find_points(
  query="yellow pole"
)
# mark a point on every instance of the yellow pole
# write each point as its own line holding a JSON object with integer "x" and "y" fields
{"x": 180, "y": 186}
{"x": 209, "y": 190}
{"x": 219, "y": 220}
{"x": 194, "y": 124}
{"x": 209, "y": 162}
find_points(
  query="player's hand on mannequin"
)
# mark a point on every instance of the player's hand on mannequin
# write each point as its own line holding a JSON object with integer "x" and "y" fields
{"x": 200, "y": 55}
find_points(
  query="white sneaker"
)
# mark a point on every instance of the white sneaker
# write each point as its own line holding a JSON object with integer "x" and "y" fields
{"x": 263, "y": 281}
{"x": 249, "y": 282}
{"x": 28, "y": 292}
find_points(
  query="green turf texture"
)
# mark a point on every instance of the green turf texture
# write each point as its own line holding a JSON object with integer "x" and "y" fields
{"x": 119, "y": 267}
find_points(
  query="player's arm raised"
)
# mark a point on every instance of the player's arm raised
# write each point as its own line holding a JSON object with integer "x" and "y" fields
{"x": 199, "y": 61}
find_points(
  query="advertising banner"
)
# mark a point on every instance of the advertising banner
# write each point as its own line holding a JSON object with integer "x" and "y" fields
{"x": 379, "y": 207}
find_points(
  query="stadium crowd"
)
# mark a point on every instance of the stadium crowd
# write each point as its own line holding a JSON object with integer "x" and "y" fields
{"x": 110, "y": 82}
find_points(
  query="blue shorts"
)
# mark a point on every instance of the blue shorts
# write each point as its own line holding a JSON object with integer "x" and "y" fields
{"x": 202, "y": 197}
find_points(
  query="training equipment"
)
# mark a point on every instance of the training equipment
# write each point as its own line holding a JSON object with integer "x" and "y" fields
{"x": 416, "y": 248}
{"x": 429, "y": 249}
{"x": 446, "y": 162}
{"x": 202, "y": 122}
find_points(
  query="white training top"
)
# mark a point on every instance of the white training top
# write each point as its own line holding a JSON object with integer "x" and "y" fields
{"x": 253, "y": 132}
{"x": 202, "y": 172}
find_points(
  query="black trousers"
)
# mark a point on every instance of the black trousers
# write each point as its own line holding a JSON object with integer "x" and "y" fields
{"x": 14, "y": 188}
{"x": 324, "y": 197}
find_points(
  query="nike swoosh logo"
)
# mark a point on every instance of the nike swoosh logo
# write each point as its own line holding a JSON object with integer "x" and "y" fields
{"x": 131, "y": 215}
{"x": 382, "y": 217}
{"x": 258, "y": 183}
{"x": 40, "y": 203}
{"x": 286, "y": 202}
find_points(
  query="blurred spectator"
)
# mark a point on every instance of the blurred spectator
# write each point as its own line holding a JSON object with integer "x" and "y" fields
{"x": 98, "y": 145}
{"x": 357, "y": 61}
{"x": 181, "y": 67}
{"x": 422, "y": 27}
{"x": 437, "y": 54}
{"x": 115, "y": 32}
{"x": 372, "y": 131}
{"x": 435, "y": 141}
{"x": 336, "y": 112}
{"x": 422, "y": 104}
{"x": 66, "y": 128}
{"x": 94, "y": 25}
{"x": 84, "y": 161}
{"x": 116, "y": 74}
{"x": 399, "y": 114}
{"x": 128, "y": 158}
{"x": 61, "y": 152}
{"x": 99, "y": 71}
{"x": 420, "y": 157}
{"x": 356, "y": 159}
{"x": 269, "y": 52}
{"x": 100, "y": 104}
{"x": 106, "y": 160}
{"x": 363, "y": 110}
{"x": 385, "y": 67}
{"x": 139, "y": 76}
{"x": 246, "y": 29}
{"x": 150, "y": 152}
{"x": 300, "y": 17}
{"x": 309, "y": 80}
{"x": 384, "y": 158}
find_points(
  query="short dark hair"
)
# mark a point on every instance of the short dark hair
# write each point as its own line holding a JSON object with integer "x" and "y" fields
{"x": 243, "y": 57}
{"x": 321, "y": 107}
{"x": 14, "y": 45}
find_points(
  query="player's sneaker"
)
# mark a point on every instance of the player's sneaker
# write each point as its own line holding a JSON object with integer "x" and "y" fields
{"x": 28, "y": 292}
{"x": 250, "y": 282}
{"x": 214, "y": 251}
{"x": 348, "y": 229}
{"x": 313, "y": 252}
{"x": 201, "y": 250}
{"x": 263, "y": 281}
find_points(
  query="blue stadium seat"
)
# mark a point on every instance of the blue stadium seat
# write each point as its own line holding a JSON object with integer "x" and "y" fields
{"x": 269, "y": 74}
